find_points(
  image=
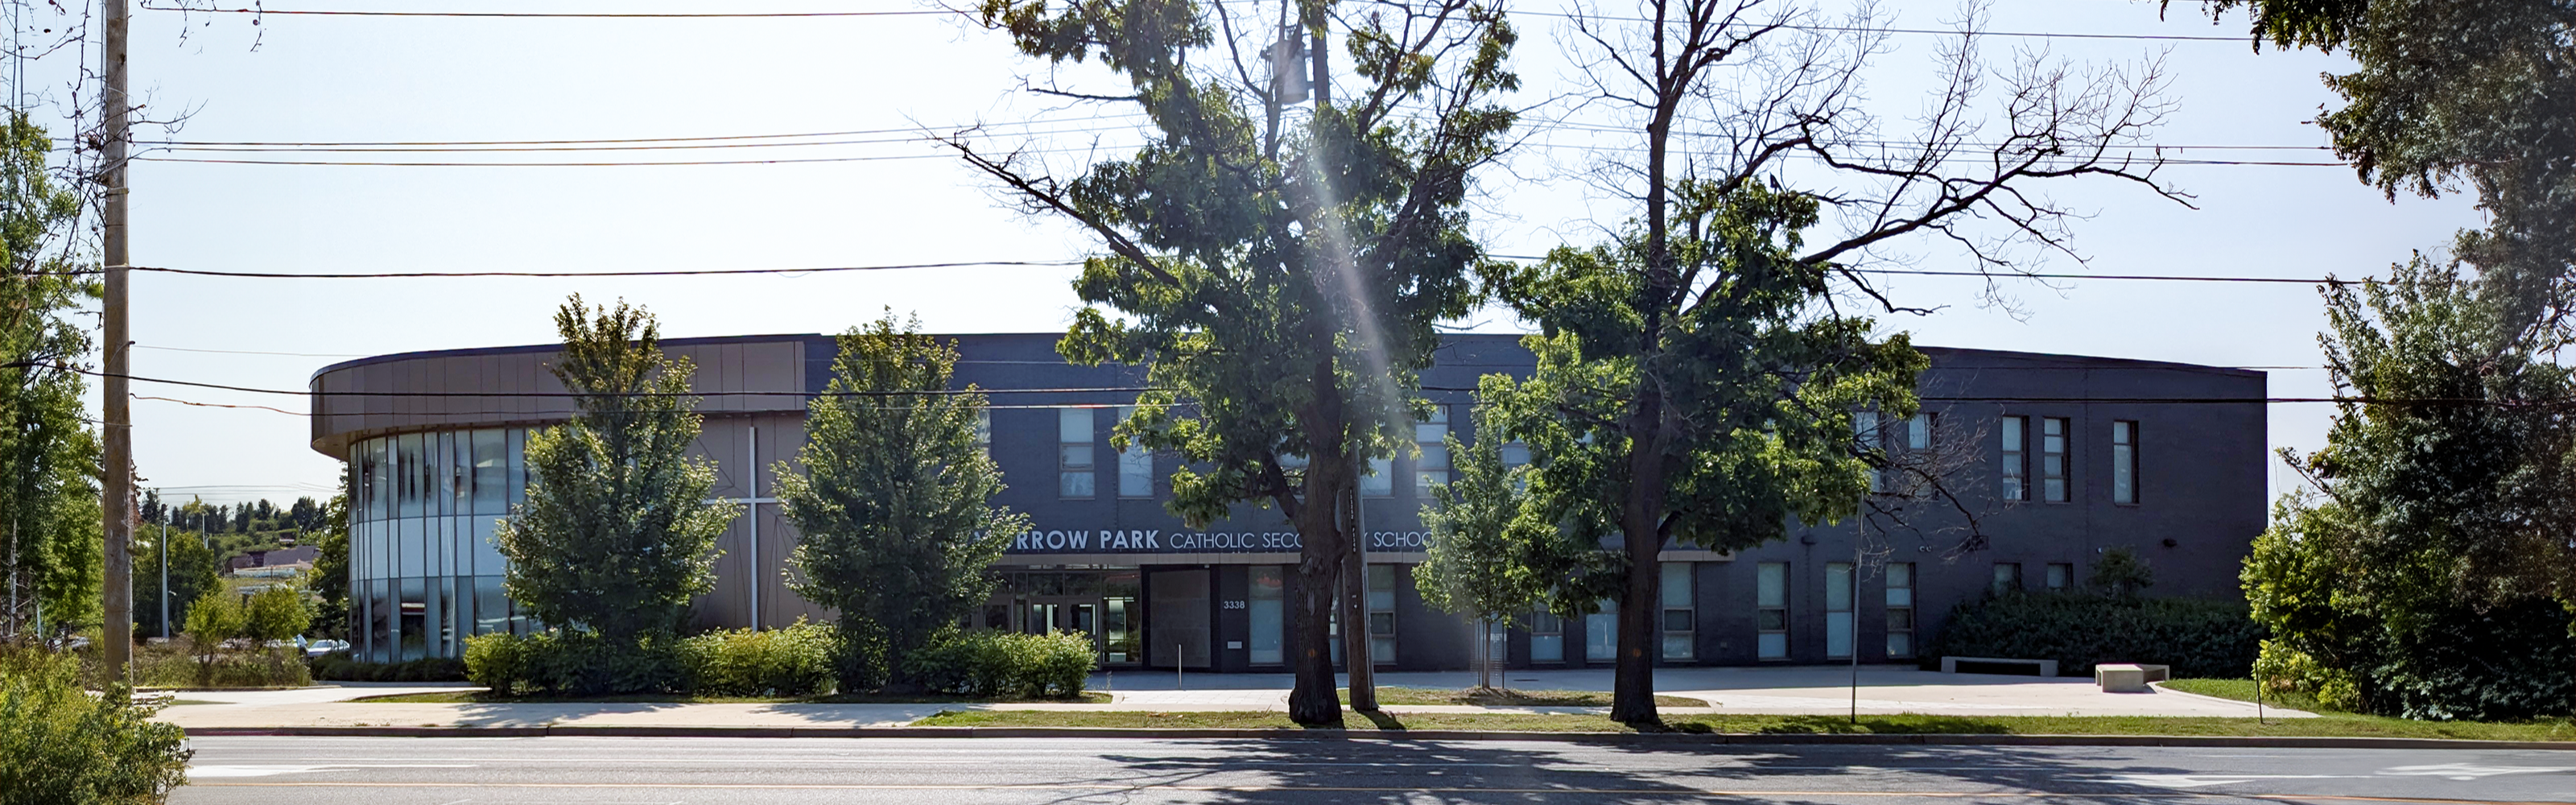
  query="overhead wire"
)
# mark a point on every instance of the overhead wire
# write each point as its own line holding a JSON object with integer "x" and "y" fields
{"x": 962, "y": 12}
{"x": 2363, "y": 400}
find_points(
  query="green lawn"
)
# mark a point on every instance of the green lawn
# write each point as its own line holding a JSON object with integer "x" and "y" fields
{"x": 2340, "y": 725}
{"x": 2243, "y": 690}
{"x": 1491, "y": 697}
{"x": 481, "y": 697}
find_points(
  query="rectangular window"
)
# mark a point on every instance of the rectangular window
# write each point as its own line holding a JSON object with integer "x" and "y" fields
{"x": 2060, "y": 575}
{"x": 1380, "y": 480}
{"x": 1267, "y": 606}
{"x": 984, "y": 431}
{"x": 1865, "y": 438}
{"x": 519, "y": 474}
{"x": 1900, "y": 610}
{"x": 2052, "y": 458}
{"x": 1547, "y": 637}
{"x": 1918, "y": 431}
{"x": 1135, "y": 468}
{"x": 1679, "y": 614}
{"x": 1433, "y": 466}
{"x": 1074, "y": 442}
{"x": 2007, "y": 578}
{"x": 412, "y": 471}
{"x": 1771, "y": 610}
{"x": 1601, "y": 632}
{"x": 1838, "y": 610}
{"x": 2124, "y": 462}
{"x": 491, "y": 465}
{"x": 2016, "y": 460}
{"x": 1381, "y": 615}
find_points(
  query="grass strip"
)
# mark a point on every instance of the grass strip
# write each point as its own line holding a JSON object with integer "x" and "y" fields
{"x": 2243, "y": 690}
{"x": 1494, "y": 697}
{"x": 1908, "y": 724}
{"x": 485, "y": 697}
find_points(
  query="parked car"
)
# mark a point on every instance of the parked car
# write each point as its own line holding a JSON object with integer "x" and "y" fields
{"x": 324, "y": 646}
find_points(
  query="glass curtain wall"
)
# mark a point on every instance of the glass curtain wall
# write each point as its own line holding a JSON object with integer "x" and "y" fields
{"x": 424, "y": 572}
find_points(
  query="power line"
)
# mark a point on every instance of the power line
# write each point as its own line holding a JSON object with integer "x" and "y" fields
{"x": 253, "y": 352}
{"x": 1064, "y": 263}
{"x": 2363, "y": 400}
{"x": 820, "y": 14}
{"x": 552, "y": 14}
{"x": 638, "y": 273}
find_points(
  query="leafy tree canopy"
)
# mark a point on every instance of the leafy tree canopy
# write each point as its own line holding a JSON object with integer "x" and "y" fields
{"x": 618, "y": 531}
{"x": 894, "y": 504}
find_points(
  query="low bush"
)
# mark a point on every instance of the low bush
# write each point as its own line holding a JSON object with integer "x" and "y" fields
{"x": 2198, "y": 637}
{"x": 231, "y": 664}
{"x": 60, "y": 743}
{"x": 794, "y": 661}
{"x": 570, "y": 664}
{"x": 1006, "y": 665}
{"x": 341, "y": 668}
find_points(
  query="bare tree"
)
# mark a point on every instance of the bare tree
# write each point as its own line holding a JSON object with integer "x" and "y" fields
{"x": 1765, "y": 98}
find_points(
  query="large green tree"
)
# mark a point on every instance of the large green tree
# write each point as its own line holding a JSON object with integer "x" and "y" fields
{"x": 619, "y": 528}
{"x": 1277, "y": 270}
{"x": 1698, "y": 375}
{"x": 2401, "y": 586}
{"x": 893, "y": 507}
{"x": 49, "y": 505}
{"x": 1712, "y": 413}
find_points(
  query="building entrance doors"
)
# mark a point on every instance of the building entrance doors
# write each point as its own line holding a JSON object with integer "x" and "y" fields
{"x": 1100, "y": 604}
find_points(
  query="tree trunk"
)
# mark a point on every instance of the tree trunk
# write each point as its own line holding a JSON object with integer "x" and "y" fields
{"x": 1633, "y": 687}
{"x": 1313, "y": 701}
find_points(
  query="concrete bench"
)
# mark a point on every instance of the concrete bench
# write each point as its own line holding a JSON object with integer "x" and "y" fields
{"x": 1950, "y": 665}
{"x": 2122, "y": 677}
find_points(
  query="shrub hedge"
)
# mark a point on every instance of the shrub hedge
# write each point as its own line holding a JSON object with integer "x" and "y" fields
{"x": 60, "y": 744}
{"x": 794, "y": 661}
{"x": 1006, "y": 665}
{"x": 2198, "y": 637}
{"x": 800, "y": 660}
{"x": 572, "y": 664}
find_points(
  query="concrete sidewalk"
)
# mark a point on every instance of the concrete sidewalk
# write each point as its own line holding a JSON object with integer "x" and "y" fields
{"x": 1783, "y": 691}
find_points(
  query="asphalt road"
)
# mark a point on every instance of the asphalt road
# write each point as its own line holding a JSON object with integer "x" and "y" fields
{"x": 632, "y": 771}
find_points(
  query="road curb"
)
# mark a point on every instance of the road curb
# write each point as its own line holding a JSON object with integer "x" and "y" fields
{"x": 1670, "y": 738}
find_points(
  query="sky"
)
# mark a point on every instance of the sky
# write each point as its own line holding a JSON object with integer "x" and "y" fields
{"x": 321, "y": 78}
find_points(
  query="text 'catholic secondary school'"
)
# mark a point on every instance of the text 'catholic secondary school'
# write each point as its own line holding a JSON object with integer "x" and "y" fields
{"x": 2108, "y": 460}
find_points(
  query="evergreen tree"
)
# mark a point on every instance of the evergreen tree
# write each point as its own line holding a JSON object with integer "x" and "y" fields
{"x": 894, "y": 506}
{"x": 1281, "y": 278}
{"x": 618, "y": 531}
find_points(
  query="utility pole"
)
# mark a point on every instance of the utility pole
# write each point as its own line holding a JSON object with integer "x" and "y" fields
{"x": 117, "y": 472}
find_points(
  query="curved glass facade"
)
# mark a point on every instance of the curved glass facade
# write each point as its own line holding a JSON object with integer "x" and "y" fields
{"x": 424, "y": 571}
